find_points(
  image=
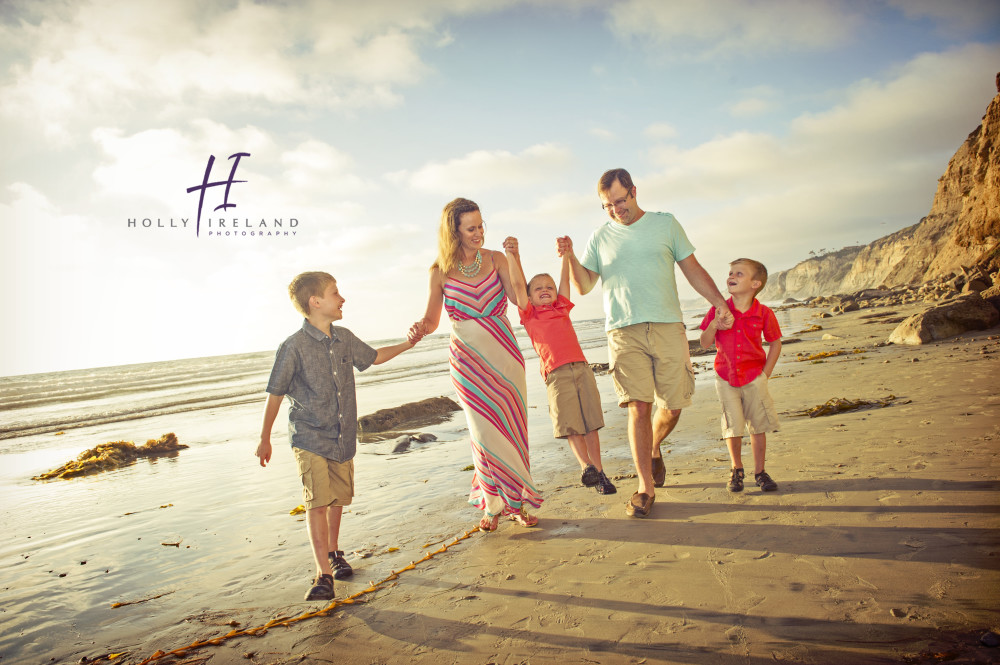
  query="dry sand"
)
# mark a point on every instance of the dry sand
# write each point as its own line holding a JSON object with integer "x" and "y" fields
{"x": 880, "y": 545}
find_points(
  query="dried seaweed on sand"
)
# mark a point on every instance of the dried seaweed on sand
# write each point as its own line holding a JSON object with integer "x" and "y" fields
{"x": 841, "y": 404}
{"x": 112, "y": 455}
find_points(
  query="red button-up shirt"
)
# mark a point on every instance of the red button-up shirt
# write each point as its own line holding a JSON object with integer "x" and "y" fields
{"x": 740, "y": 358}
{"x": 552, "y": 334}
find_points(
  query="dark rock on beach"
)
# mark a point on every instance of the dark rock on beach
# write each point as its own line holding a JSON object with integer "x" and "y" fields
{"x": 385, "y": 420}
{"x": 968, "y": 312}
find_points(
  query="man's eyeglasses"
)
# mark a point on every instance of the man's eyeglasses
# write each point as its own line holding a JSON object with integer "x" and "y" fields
{"x": 608, "y": 207}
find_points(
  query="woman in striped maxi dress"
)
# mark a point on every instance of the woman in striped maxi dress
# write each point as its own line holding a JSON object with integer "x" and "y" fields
{"x": 472, "y": 284}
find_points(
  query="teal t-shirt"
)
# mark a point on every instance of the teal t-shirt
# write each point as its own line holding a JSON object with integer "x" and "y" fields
{"x": 636, "y": 266}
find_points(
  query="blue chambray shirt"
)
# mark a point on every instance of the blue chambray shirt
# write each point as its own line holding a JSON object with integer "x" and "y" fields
{"x": 316, "y": 373}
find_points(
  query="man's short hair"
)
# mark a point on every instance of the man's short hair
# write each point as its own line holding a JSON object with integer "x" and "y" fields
{"x": 759, "y": 271}
{"x": 305, "y": 286}
{"x": 609, "y": 177}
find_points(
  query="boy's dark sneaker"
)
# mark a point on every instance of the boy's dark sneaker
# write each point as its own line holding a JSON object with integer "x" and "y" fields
{"x": 764, "y": 482}
{"x": 322, "y": 588}
{"x": 604, "y": 486}
{"x": 659, "y": 472}
{"x": 341, "y": 569}
{"x": 590, "y": 476}
{"x": 735, "y": 481}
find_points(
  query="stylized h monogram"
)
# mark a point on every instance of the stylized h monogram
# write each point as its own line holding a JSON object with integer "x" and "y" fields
{"x": 205, "y": 184}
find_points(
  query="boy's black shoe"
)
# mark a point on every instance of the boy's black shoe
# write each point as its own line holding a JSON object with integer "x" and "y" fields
{"x": 322, "y": 588}
{"x": 341, "y": 569}
{"x": 604, "y": 486}
{"x": 735, "y": 481}
{"x": 590, "y": 476}
{"x": 764, "y": 482}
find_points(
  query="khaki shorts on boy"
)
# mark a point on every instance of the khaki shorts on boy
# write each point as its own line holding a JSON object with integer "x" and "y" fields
{"x": 574, "y": 401}
{"x": 324, "y": 482}
{"x": 650, "y": 362}
{"x": 747, "y": 409}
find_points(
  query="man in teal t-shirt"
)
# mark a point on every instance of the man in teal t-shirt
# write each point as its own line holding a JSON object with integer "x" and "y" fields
{"x": 634, "y": 254}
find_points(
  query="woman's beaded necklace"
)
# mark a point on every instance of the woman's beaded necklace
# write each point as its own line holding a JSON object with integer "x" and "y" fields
{"x": 473, "y": 268}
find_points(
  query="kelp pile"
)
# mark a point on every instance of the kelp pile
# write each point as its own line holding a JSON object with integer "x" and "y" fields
{"x": 841, "y": 404}
{"x": 113, "y": 455}
{"x": 825, "y": 354}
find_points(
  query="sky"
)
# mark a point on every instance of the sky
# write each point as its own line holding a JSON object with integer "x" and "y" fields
{"x": 770, "y": 129}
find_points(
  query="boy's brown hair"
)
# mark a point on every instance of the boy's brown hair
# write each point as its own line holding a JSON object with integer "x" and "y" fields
{"x": 759, "y": 272}
{"x": 305, "y": 286}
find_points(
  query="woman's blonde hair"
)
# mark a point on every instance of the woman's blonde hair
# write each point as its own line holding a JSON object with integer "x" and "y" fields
{"x": 448, "y": 235}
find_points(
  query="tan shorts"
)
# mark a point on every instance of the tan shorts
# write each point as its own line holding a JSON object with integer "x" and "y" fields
{"x": 650, "y": 362}
{"x": 574, "y": 401}
{"x": 747, "y": 409}
{"x": 324, "y": 482}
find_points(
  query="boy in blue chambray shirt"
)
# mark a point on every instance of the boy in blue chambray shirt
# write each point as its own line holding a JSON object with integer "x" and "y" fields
{"x": 315, "y": 369}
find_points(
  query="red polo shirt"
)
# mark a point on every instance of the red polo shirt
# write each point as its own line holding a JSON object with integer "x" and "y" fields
{"x": 552, "y": 334}
{"x": 740, "y": 358}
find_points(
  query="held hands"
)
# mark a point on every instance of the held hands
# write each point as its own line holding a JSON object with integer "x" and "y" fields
{"x": 510, "y": 245}
{"x": 416, "y": 332}
{"x": 564, "y": 245}
{"x": 724, "y": 319}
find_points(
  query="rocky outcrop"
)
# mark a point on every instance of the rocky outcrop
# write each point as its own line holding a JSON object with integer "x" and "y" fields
{"x": 412, "y": 412}
{"x": 968, "y": 312}
{"x": 962, "y": 227}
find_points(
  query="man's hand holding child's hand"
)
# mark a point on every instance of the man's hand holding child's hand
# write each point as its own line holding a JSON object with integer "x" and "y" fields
{"x": 564, "y": 245}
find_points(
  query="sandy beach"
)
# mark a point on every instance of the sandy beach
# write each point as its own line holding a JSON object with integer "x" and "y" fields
{"x": 880, "y": 546}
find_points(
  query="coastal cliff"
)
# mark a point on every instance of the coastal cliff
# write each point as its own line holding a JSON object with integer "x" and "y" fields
{"x": 963, "y": 224}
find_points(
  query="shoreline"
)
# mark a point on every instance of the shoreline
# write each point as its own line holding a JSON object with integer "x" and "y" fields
{"x": 880, "y": 543}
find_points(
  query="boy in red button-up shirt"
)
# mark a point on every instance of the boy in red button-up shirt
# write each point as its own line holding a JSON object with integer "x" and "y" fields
{"x": 743, "y": 370}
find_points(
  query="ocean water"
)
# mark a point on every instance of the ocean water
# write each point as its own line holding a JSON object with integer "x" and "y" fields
{"x": 209, "y": 528}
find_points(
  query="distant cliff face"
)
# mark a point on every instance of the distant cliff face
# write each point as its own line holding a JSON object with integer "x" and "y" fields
{"x": 963, "y": 223}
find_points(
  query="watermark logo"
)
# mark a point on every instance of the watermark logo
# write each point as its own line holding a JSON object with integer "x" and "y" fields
{"x": 222, "y": 227}
{"x": 205, "y": 184}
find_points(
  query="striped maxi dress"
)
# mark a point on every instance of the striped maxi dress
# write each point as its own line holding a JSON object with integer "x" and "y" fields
{"x": 487, "y": 369}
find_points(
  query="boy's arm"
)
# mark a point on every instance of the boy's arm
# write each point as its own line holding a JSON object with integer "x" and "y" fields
{"x": 773, "y": 351}
{"x": 708, "y": 335}
{"x": 517, "y": 282}
{"x": 389, "y": 352}
{"x": 270, "y": 413}
{"x": 564, "y": 277}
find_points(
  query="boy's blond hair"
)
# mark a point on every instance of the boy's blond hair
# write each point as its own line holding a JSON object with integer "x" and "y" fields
{"x": 759, "y": 272}
{"x": 538, "y": 276}
{"x": 305, "y": 286}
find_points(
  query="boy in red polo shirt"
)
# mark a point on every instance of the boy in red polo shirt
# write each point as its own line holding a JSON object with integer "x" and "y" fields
{"x": 743, "y": 370}
{"x": 574, "y": 401}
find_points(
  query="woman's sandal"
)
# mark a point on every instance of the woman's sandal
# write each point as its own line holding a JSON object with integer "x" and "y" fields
{"x": 523, "y": 518}
{"x": 489, "y": 523}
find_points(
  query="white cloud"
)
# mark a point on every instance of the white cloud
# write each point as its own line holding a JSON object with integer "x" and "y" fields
{"x": 107, "y": 57}
{"x": 603, "y": 134}
{"x": 842, "y": 174}
{"x": 954, "y": 17}
{"x": 660, "y": 131}
{"x": 734, "y": 27}
{"x": 755, "y": 101}
{"x": 488, "y": 169}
